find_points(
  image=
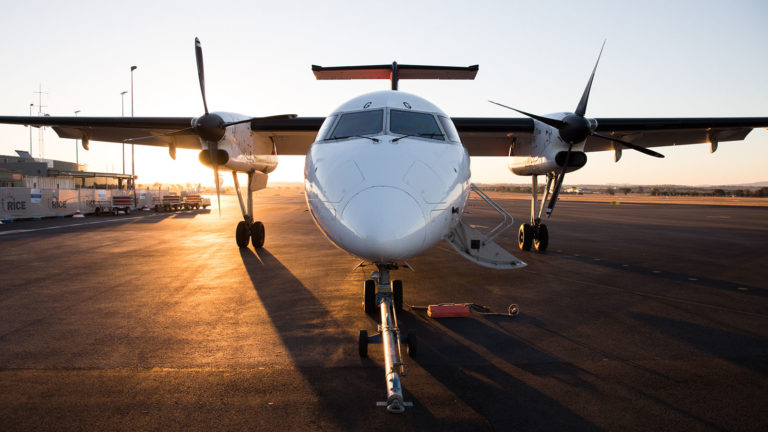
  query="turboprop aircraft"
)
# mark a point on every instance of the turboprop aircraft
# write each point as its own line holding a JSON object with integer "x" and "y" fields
{"x": 387, "y": 174}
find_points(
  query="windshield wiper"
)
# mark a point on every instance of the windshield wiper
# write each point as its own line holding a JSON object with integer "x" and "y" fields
{"x": 352, "y": 136}
{"x": 421, "y": 135}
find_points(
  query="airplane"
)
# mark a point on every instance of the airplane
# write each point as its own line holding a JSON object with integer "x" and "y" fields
{"x": 387, "y": 173}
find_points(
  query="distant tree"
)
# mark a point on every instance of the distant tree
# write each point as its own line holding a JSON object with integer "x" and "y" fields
{"x": 610, "y": 191}
{"x": 626, "y": 190}
{"x": 718, "y": 192}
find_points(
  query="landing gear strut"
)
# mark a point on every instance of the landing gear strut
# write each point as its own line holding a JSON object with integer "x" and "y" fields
{"x": 535, "y": 233}
{"x": 247, "y": 229}
{"x": 379, "y": 293}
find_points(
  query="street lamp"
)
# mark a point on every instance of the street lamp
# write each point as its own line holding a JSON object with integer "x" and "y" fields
{"x": 133, "y": 165}
{"x": 122, "y": 110}
{"x": 133, "y": 68}
{"x": 30, "y": 129}
{"x": 77, "y": 157}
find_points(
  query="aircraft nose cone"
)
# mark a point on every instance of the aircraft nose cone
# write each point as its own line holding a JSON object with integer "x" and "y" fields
{"x": 384, "y": 224}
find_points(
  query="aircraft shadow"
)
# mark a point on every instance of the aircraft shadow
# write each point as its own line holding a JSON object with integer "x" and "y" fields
{"x": 505, "y": 402}
{"x": 739, "y": 349}
{"x": 668, "y": 275}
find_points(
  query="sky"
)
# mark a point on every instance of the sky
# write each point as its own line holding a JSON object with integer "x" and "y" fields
{"x": 661, "y": 59}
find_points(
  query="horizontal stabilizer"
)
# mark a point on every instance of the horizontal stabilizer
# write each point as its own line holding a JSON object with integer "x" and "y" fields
{"x": 395, "y": 72}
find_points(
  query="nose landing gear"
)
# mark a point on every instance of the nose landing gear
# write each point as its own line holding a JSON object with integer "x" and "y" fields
{"x": 387, "y": 296}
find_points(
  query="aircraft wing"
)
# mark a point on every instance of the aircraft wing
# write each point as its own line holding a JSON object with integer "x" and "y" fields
{"x": 659, "y": 132}
{"x": 492, "y": 136}
{"x": 291, "y": 136}
{"x": 482, "y": 136}
{"x": 156, "y": 131}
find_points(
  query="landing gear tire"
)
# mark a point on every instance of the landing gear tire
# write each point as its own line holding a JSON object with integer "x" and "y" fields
{"x": 525, "y": 237}
{"x": 397, "y": 294}
{"x": 362, "y": 343}
{"x": 369, "y": 297}
{"x": 257, "y": 235}
{"x": 242, "y": 234}
{"x": 410, "y": 344}
{"x": 541, "y": 241}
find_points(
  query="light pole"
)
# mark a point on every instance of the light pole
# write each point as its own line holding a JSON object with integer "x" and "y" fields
{"x": 133, "y": 165}
{"x": 77, "y": 156}
{"x": 30, "y": 130}
{"x": 122, "y": 111}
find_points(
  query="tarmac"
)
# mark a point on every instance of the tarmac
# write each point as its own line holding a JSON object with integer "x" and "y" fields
{"x": 641, "y": 316}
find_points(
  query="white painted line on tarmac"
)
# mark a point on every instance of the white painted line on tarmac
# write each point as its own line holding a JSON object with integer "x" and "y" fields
{"x": 67, "y": 226}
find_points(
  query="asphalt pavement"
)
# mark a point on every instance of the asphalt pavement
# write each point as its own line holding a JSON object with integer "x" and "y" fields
{"x": 639, "y": 317}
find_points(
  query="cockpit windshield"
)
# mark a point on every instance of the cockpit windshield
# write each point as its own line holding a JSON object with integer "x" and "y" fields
{"x": 357, "y": 124}
{"x": 416, "y": 124}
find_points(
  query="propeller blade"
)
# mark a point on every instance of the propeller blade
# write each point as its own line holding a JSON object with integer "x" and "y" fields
{"x": 200, "y": 71}
{"x": 213, "y": 150}
{"x": 268, "y": 118}
{"x": 552, "y": 122}
{"x": 556, "y": 193}
{"x": 582, "y": 107}
{"x": 629, "y": 144}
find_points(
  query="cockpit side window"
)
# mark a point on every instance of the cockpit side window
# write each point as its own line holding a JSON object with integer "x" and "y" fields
{"x": 358, "y": 123}
{"x": 326, "y": 127}
{"x": 414, "y": 124}
{"x": 449, "y": 128}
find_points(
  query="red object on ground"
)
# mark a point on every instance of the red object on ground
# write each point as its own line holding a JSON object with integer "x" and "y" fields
{"x": 122, "y": 201}
{"x": 448, "y": 311}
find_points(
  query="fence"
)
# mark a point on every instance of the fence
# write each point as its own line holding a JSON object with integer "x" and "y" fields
{"x": 28, "y": 203}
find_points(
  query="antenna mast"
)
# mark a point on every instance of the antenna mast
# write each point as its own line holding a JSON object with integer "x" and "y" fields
{"x": 41, "y": 131}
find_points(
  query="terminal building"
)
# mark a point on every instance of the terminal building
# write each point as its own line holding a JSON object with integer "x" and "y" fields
{"x": 25, "y": 171}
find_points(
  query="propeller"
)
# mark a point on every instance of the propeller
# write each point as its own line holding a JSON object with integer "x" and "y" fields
{"x": 575, "y": 128}
{"x": 211, "y": 128}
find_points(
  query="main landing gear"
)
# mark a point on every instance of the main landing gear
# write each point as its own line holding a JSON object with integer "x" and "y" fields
{"x": 535, "y": 233}
{"x": 247, "y": 229}
{"x": 379, "y": 293}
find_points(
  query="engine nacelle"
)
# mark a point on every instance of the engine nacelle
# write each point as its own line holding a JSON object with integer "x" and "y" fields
{"x": 576, "y": 160}
{"x": 222, "y": 158}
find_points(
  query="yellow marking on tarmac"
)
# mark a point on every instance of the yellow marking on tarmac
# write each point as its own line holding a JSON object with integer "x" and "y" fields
{"x": 692, "y": 279}
{"x": 656, "y": 271}
{"x": 743, "y": 289}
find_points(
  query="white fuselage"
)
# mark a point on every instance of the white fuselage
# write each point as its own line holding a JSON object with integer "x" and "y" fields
{"x": 378, "y": 197}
